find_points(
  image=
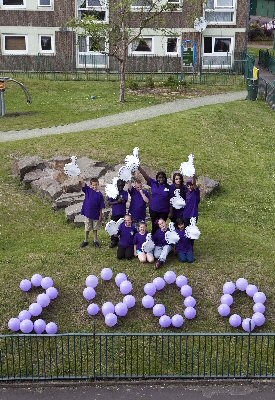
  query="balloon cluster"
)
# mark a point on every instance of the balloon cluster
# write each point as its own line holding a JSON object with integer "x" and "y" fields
{"x": 110, "y": 311}
{"x": 235, "y": 320}
{"x": 23, "y": 322}
{"x": 159, "y": 310}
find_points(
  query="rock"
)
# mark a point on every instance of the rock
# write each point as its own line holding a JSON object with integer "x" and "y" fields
{"x": 67, "y": 199}
{"x": 207, "y": 186}
{"x": 79, "y": 220}
{"x": 72, "y": 211}
{"x": 71, "y": 185}
{"x": 47, "y": 187}
{"x": 91, "y": 168}
{"x": 59, "y": 162}
{"x": 24, "y": 165}
{"x": 37, "y": 174}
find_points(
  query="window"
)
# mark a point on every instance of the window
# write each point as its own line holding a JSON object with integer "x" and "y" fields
{"x": 44, "y": 3}
{"x": 142, "y": 3}
{"x": 220, "y": 11}
{"x": 142, "y": 45}
{"x": 94, "y": 45}
{"x": 95, "y": 8}
{"x": 172, "y": 45}
{"x": 46, "y": 44}
{"x": 13, "y": 3}
{"x": 217, "y": 45}
{"x": 14, "y": 44}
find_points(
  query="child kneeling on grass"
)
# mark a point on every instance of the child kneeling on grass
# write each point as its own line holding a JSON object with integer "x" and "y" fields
{"x": 184, "y": 247}
{"x": 126, "y": 233}
{"x": 162, "y": 248}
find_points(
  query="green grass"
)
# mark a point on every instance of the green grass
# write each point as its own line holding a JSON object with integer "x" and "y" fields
{"x": 232, "y": 143}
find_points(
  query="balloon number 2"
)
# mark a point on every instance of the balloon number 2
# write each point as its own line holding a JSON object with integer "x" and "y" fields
{"x": 27, "y": 320}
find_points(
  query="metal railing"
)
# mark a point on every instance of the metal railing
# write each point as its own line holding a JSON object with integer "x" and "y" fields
{"x": 102, "y": 356}
{"x": 266, "y": 91}
{"x": 267, "y": 60}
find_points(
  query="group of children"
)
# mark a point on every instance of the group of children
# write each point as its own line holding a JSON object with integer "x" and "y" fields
{"x": 132, "y": 232}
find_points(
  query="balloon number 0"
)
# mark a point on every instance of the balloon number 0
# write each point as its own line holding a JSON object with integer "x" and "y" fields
{"x": 23, "y": 322}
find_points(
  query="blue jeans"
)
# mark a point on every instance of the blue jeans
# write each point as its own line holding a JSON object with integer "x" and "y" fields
{"x": 186, "y": 257}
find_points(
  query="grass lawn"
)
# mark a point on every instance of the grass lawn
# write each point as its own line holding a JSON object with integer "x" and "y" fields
{"x": 232, "y": 143}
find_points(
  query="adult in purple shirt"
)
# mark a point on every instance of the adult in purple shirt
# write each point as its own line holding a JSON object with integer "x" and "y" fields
{"x": 92, "y": 210}
{"x": 126, "y": 233}
{"x": 118, "y": 207}
{"x": 160, "y": 197}
{"x": 162, "y": 249}
{"x": 139, "y": 201}
{"x": 178, "y": 183}
{"x": 184, "y": 247}
{"x": 191, "y": 208}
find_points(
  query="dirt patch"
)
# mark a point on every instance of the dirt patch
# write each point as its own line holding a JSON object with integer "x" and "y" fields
{"x": 165, "y": 92}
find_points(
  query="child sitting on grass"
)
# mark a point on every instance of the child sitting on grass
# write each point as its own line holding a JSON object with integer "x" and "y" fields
{"x": 126, "y": 233}
{"x": 139, "y": 239}
{"x": 162, "y": 248}
{"x": 184, "y": 247}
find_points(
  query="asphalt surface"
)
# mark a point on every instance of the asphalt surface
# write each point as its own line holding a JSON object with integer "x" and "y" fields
{"x": 126, "y": 117}
{"x": 195, "y": 390}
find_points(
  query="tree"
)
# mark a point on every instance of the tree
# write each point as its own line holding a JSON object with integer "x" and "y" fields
{"x": 124, "y": 28}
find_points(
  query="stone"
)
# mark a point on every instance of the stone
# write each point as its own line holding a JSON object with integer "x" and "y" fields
{"x": 91, "y": 168}
{"x": 71, "y": 185}
{"x": 27, "y": 164}
{"x": 59, "y": 162}
{"x": 79, "y": 220}
{"x": 67, "y": 199}
{"x": 47, "y": 187}
{"x": 207, "y": 186}
{"x": 72, "y": 210}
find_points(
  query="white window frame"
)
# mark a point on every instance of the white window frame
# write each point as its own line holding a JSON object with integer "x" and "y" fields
{"x": 172, "y": 53}
{"x": 219, "y": 53}
{"x": 45, "y": 5}
{"x": 216, "y": 5}
{"x": 41, "y": 51}
{"x": 12, "y": 7}
{"x": 14, "y": 52}
{"x": 142, "y": 52}
{"x": 91, "y": 51}
{"x": 220, "y": 9}
{"x": 104, "y": 7}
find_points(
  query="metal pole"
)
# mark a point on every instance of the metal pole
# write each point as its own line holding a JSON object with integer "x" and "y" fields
{"x": 2, "y": 104}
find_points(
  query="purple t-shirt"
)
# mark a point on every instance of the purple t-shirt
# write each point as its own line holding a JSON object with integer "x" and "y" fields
{"x": 160, "y": 196}
{"x": 192, "y": 203}
{"x": 184, "y": 244}
{"x": 120, "y": 208}
{"x": 137, "y": 207}
{"x": 177, "y": 212}
{"x": 93, "y": 203}
{"x": 126, "y": 235}
{"x": 139, "y": 240}
{"x": 159, "y": 237}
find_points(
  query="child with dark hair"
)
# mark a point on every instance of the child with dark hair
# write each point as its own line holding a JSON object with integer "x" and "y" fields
{"x": 184, "y": 247}
{"x": 160, "y": 199}
{"x": 191, "y": 208}
{"x": 178, "y": 183}
{"x": 139, "y": 201}
{"x": 162, "y": 249}
{"x": 118, "y": 207}
{"x": 92, "y": 210}
{"x": 126, "y": 233}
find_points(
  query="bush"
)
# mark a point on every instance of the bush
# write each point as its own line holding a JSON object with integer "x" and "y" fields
{"x": 133, "y": 85}
{"x": 149, "y": 82}
{"x": 257, "y": 32}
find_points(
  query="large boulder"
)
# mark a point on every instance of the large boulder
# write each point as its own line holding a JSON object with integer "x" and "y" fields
{"x": 27, "y": 164}
{"x": 67, "y": 199}
{"x": 47, "y": 187}
{"x": 207, "y": 186}
{"x": 72, "y": 211}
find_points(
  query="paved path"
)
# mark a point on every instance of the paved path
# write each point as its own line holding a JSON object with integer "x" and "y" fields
{"x": 126, "y": 117}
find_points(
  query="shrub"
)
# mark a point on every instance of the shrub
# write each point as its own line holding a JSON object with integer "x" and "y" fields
{"x": 149, "y": 82}
{"x": 133, "y": 85}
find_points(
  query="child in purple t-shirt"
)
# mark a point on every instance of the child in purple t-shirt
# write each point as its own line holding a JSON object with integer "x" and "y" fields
{"x": 118, "y": 207}
{"x": 184, "y": 247}
{"x": 139, "y": 239}
{"x": 139, "y": 201}
{"x": 191, "y": 208}
{"x": 162, "y": 249}
{"x": 92, "y": 210}
{"x": 126, "y": 233}
{"x": 178, "y": 183}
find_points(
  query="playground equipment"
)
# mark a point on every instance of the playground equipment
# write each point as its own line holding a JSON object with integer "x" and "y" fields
{"x": 3, "y": 81}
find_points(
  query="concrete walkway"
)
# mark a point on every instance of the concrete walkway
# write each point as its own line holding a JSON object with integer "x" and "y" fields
{"x": 126, "y": 117}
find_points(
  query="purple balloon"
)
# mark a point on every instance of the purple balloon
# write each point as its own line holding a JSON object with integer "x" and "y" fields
{"x": 35, "y": 309}
{"x": 189, "y": 301}
{"x": 129, "y": 300}
{"x": 229, "y": 288}
{"x": 47, "y": 282}
{"x": 125, "y": 287}
{"x": 159, "y": 283}
{"x": 150, "y": 289}
{"x": 51, "y": 328}
{"x": 24, "y": 314}
{"x": 181, "y": 281}
{"x": 107, "y": 308}
{"x": 165, "y": 321}
{"x": 93, "y": 309}
{"x": 186, "y": 290}
{"x": 241, "y": 284}
{"x": 224, "y": 310}
{"x": 121, "y": 309}
{"x": 235, "y": 320}
{"x": 248, "y": 324}
{"x": 259, "y": 297}
{"x": 25, "y": 285}
{"x": 190, "y": 312}
{"x": 14, "y": 324}
{"x": 121, "y": 277}
{"x": 26, "y": 326}
{"x": 227, "y": 299}
{"x": 39, "y": 326}
{"x": 259, "y": 307}
{"x": 89, "y": 293}
{"x": 158, "y": 310}
{"x": 148, "y": 301}
{"x": 52, "y": 292}
{"x": 251, "y": 290}
{"x": 91, "y": 281}
{"x": 170, "y": 277}
{"x": 36, "y": 280}
{"x": 177, "y": 320}
{"x": 111, "y": 320}
{"x": 258, "y": 318}
{"x": 43, "y": 299}
{"x": 106, "y": 274}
